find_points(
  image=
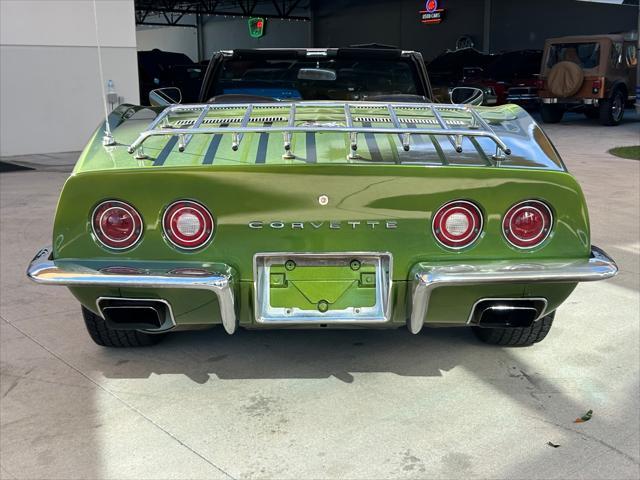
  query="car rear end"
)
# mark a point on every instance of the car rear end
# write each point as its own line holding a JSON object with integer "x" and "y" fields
{"x": 243, "y": 231}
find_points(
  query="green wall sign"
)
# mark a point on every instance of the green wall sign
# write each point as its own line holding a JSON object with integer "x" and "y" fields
{"x": 256, "y": 27}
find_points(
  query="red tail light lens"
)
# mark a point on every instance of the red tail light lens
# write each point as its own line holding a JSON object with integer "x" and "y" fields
{"x": 116, "y": 225}
{"x": 187, "y": 224}
{"x": 527, "y": 224}
{"x": 457, "y": 224}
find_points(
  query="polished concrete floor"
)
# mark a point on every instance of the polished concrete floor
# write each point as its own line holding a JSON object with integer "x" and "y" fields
{"x": 326, "y": 404}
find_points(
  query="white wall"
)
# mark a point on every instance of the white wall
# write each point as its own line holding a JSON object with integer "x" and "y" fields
{"x": 170, "y": 39}
{"x": 49, "y": 77}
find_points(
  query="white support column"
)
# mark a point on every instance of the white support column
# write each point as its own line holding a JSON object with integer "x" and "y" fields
{"x": 486, "y": 28}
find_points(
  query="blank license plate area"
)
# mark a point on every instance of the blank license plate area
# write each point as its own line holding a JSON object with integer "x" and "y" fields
{"x": 322, "y": 288}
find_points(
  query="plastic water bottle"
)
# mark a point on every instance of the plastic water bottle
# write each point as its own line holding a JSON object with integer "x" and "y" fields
{"x": 112, "y": 96}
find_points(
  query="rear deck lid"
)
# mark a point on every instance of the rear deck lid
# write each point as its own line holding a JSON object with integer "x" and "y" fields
{"x": 356, "y": 133}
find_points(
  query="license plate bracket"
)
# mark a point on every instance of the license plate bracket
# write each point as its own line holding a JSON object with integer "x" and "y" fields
{"x": 324, "y": 288}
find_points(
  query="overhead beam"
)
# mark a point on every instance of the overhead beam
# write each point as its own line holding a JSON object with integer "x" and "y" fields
{"x": 291, "y": 8}
{"x": 172, "y": 11}
{"x": 276, "y": 5}
{"x": 160, "y": 24}
{"x": 237, "y": 14}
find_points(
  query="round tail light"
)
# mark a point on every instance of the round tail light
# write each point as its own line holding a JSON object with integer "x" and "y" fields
{"x": 187, "y": 224}
{"x": 457, "y": 224}
{"x": 527, "y": 224}
{"x": 117, "y": 225}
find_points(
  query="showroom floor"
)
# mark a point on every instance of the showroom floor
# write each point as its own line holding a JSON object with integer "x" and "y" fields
{"x": 323, "y": 404}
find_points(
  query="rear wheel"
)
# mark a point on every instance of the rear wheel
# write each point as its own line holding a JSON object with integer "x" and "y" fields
{"x": 612, "y": 109}
{"x": 108, "y": 337}
{"x": 551, "y": 113}
{"x": 516, "y": 337}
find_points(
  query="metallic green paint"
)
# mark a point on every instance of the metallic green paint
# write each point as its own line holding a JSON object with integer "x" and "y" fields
{"x": 406, "y": 195}
{"x": 379, "y": 207}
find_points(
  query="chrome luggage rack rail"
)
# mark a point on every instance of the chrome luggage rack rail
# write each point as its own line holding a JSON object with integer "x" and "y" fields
{"x": 400, "y": 115}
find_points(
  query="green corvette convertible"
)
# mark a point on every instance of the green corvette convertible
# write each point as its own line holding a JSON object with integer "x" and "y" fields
{"x": 319, "y": 188}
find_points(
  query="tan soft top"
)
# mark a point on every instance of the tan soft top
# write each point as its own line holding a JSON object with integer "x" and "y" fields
{"x": 602, "y": 66}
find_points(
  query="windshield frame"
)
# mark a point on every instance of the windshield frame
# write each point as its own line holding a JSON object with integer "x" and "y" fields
{"x": 413, "y": 60}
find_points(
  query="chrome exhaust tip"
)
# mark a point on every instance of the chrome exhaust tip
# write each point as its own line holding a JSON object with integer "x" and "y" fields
{"x": 152, "y": 316}
{"x": 507, "y": 312}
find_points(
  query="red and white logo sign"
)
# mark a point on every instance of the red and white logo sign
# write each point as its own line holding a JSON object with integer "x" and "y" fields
{"x": 431, "y": 13}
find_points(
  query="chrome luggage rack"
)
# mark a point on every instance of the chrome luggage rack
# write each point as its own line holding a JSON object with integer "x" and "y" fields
{"x": 402, "y": 116}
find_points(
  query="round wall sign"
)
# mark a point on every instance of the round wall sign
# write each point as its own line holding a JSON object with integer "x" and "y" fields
{"x": 431, "y": 6}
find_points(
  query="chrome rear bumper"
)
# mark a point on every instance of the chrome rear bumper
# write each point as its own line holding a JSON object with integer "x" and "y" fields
{"x": 44, "y": 270}
{"x": 572, "y": 101}
{"x": 426, "y": 278}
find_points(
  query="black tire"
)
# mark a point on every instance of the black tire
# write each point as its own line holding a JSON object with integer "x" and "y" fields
{"x": 551, "y": 113}
{"x": 516, "y": 337}
{"x": 109, "y": 337}
{"x": 612, "y": 109}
